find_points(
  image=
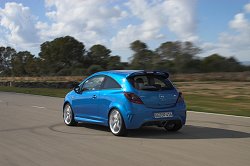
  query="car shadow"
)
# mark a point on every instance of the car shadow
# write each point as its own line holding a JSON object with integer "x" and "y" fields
{"x": 187, "y": 132}
{"x": 93, "y": 126}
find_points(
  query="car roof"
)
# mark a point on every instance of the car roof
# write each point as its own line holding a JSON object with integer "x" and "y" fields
{"x": 122, "y": 73}
{"x": 127, "y": 73}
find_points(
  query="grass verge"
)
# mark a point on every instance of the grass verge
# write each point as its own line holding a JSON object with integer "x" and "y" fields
{"x": 217, "y": 104}
{"x": 37, "y": 91}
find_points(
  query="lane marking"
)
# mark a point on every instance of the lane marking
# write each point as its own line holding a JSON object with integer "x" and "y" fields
{"x": 209, "y": 113}
{"x": 34, "y": 106}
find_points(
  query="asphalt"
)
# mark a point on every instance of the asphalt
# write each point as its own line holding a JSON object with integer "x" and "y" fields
{"x": 32, "y": 133}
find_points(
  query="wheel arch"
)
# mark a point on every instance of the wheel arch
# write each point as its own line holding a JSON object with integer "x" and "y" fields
{"x": 121, "y": 112}
{"x": 66, "y": 102}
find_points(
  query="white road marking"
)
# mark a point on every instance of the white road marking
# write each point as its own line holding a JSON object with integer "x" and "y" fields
{"x": 219, "y": 114}
{"x": 34, "y": 106}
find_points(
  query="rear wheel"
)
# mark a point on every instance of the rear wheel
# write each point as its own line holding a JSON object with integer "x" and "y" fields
{"x": 173, "y": 126}
{"x": 116, "y": 123}
{"x": 68, "y": 116}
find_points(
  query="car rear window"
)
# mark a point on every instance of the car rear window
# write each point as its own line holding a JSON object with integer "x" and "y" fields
{"x": 150, "y": 82}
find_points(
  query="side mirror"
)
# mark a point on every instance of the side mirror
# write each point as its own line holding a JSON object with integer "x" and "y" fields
{"x": 77, "y": 89}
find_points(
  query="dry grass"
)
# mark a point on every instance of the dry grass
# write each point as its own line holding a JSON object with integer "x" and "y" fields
{"x": 219, "y": 97}
{"x": 225, "y": 89}
{"x": 43, "y": 79}
{"x": 229, "y": 76}
{"x": 225, "y": 76}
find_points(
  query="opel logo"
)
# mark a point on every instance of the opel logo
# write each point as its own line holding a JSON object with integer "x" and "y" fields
{"x": 161, "y": 97}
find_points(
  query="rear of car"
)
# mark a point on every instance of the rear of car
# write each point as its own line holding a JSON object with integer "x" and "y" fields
{"x": 126, "y": 99}
{"x": 154, "y": 101}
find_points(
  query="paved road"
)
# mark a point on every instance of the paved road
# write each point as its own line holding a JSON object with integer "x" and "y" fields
{"x": 32, "y": 133}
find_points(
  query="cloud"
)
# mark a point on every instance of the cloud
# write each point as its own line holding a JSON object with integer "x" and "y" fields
{"x": 233, "y": 43}
{"x": 147, "y": 30}
{"x": 239, "y": 23}
{"x": 19, "y": 26}
{"x": 90, "y": 21}
{"x": 155, "y": 17}
{"x": 238, "y": 42}
{"x": 247, "y": 8}
{"x": 181, "y": 18}
{"x": 118, "y": 23}
{"x": 112, "y": 23}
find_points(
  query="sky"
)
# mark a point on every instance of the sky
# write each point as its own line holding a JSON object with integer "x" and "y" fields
{"x": 216, "y": 26}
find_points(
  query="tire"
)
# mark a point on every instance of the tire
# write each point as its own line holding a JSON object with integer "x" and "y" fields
{"x": 173, "y": 126}
{"x": 68, "y": 115}
{"x": 116, "y": 123}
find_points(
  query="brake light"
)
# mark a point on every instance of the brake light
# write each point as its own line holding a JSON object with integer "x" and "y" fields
{"x": 180, "y": 98}
{"x": 133, "y": 98}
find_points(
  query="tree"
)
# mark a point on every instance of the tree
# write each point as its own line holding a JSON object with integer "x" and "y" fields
{"x": 234, "y": 65}
{"x": 114, "y": 63}
{"x": 168, "y": 50}
{"x": 138, "y": 46}
{"x": 6, "y": 54}
{"x": 99, "y": 55}
{"x": 142, "y": 57}
{"x": 218, "y": 63}
{"x": 64, "y": 53}
{"x": 24, "y": 64}
{"x": 165, "y": 56}
{"x": 94, "y": 68}
{"x": 179, "y": 56}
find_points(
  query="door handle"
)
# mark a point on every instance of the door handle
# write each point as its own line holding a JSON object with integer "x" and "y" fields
{"x": 94, "y": 96}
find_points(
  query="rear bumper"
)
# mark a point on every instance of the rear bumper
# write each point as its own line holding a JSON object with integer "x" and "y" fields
{"x": 141, "y": 115}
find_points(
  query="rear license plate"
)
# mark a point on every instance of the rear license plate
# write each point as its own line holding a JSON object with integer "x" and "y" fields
{"x": 163, "y": 114}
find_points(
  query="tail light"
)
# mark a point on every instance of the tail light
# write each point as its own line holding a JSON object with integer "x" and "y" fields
{"x": 133, "y": 98}
{"x": 180, "y": 98}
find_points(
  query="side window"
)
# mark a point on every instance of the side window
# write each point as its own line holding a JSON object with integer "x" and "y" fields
{"x": 110, "y": 83}
{"x": 93, "y": 83}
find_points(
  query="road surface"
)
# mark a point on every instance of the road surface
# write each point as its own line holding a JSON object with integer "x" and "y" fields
{"x": 32, "y": 133}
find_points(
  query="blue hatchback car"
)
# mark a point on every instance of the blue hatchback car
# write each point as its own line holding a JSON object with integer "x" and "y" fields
{"x": 126, "y": 99}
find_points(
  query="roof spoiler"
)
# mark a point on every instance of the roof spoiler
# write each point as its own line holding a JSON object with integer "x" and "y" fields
{"x": 156, "y": 72}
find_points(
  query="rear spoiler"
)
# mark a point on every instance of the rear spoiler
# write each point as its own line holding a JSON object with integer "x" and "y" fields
{"x": 143, "y": 72}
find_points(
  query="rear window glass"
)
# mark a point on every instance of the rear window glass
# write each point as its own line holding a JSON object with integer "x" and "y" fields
{"x": 150, "y": 82}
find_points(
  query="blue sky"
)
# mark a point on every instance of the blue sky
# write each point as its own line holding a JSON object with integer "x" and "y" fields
{"x": 221, "y": 26}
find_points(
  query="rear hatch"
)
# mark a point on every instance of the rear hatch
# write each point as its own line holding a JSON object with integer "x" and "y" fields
{"x": 162, "y": 99}
{"x": 154, "y": 89}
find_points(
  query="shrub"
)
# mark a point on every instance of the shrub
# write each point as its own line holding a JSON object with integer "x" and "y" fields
{"x": 94, "y": 68}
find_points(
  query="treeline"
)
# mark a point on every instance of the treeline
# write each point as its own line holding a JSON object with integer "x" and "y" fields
{"x": 66, "y": 56}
